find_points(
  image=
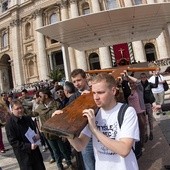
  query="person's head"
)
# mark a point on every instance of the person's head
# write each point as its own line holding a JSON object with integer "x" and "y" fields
{"x": 24, "y": 93}
{"x": 45, "y": 95}
{"x": 69, "y": 88}
{"x": 36, "y": 97}
{"x": 132, "y": 84}
{"x": 17, "y": 108}
{"x": 10, "y": 98}
{"x": 104, "y": 90}
{"x": 143, "y": 77}
{"x": 60, "y": 92}
{"x": 4, "y": 96}
{"x": 78, "y": 77}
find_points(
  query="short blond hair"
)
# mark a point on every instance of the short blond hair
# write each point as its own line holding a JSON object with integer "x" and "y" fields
{"x": 109, "y": 79}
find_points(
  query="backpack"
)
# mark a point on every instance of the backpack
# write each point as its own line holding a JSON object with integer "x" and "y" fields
{"x": 138, "y": 148}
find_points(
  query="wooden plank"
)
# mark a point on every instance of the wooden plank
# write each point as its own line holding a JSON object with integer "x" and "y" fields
{"x": 71, "y": 122}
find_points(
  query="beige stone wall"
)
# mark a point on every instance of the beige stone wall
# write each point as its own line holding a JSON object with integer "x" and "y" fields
{"x": 25, "y": 46}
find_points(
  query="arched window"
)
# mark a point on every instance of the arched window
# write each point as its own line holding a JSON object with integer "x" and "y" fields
{"x": 110, "y": 4}
{"x": 150, "y": 52}
{"x": 31, "y": 68}
{"x": 28, "y": 30}
{"x": 138, "y": 2}
{"x": 94, "y": 61}
{"x": 53, "y": 18}
{"x": 4, "y": 40}
{"x": 85, "y": 8}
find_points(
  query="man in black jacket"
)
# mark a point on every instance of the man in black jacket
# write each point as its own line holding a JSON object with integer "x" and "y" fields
{"x": 27, "y": 153}
{"x": 149, "y": 99}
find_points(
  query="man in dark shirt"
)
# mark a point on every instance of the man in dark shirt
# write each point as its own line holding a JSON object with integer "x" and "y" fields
{"x": 27, "y": 153}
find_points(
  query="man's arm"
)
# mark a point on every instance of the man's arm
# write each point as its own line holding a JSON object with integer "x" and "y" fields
{"x": 79, "y": 143}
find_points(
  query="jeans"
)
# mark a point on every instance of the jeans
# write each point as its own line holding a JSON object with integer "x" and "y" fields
{"x": 88, "y": 156}
{"x": 46, "y": 142}
{"x": 60, "y": 150}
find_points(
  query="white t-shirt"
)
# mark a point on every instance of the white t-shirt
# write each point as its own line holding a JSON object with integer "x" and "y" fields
{"x": 107, "y": 123}
{"x": 160, "y": 88}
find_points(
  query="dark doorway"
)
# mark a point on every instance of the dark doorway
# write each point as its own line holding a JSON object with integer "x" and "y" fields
{"x": 150, "y": 52}
{"x": 5, "y": 61}
{"x": 57, "y": 59}
{"x": 94, "y": 61}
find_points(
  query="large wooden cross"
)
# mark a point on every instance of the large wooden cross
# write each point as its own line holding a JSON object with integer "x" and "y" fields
{"x": 71, "y": 122}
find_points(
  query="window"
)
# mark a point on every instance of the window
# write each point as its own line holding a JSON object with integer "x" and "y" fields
{"x": 137, "y": 2}
{"x": 110, "y": 4}
{"x": 4, "y": 5}
{"x": 28, "y": 30}
{"x": 31, "y": 68}
{"x": 53, "y": 18}
{"x": 85, "y": 8}
{"x": 4, "y": 40}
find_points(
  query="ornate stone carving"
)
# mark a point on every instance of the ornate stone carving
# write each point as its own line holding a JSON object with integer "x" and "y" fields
{"x": 15, "y": 22}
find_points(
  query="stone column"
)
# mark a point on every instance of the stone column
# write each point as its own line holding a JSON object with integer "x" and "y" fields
{"x": 128, "y": 3}
{"x": 81, "y": 60}
{"x": 137, "y": 45}
{"x": 150, "y": 1}
{"x": 139, "y": 52}
{"x": 104, "y": 57}
{"x": 64, "y": 16}
{"x": 160, "y": 1}
{"x": 95, "y": 6}
{"x": 163, "y": 53}
{"x": 67, "y": 69}
{"x": 104, "y": 53}
{"x": 80, "y": 55}
{"x": 168, "y": 36}
{"x": 42, "y": 55}
{"x": 51, "y": 61}
{"x": 16, "y": 52}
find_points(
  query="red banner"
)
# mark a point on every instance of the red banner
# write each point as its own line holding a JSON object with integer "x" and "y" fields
{"x": 122, "y": 55}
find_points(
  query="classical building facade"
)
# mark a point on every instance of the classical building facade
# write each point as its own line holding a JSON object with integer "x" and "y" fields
{"x": 27, "y": 56}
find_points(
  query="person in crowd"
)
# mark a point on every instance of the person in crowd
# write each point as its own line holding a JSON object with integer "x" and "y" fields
{"x": 78, "y": 77}
{"x": 53, "y": 90}
{"x": 69, "y": 89}
{"x": 47, "y": 106}
{"x": 136, "y": 100}
{"x": 4, "y": 99}
{"x": 112, "y": 144}
{"x": 37, "y": 120}
{"x": 4, "y": 115}
{"x": 61, "y": 96}
{"x": 27, "y": 152}
{"x": 159, "y": 91}
{"x": 149, "y": 99}
{"x": 26, "y": 101}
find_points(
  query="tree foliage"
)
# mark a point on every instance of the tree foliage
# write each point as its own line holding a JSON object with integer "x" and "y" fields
{"x": 56, "y": 74}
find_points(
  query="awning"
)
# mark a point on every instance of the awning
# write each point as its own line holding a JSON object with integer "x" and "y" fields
{"x": 143, "y": 22}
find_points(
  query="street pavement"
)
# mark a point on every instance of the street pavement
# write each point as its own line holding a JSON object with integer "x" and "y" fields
{"x": 156, "y": 153}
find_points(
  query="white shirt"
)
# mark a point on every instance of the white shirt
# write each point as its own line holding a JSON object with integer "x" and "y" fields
{"x": 107, "y": 123}
{"x": 160, "y": 88}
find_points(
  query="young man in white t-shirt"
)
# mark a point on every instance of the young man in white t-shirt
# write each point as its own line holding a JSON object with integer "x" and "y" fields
{"x": 112, "y": 144}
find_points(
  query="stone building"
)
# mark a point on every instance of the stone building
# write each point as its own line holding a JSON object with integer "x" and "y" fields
{"x": 27, "y": 56}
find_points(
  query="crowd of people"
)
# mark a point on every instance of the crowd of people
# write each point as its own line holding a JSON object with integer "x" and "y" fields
{"x": 103, "y": 143}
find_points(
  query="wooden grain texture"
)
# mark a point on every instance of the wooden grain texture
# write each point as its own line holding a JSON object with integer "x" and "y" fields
{"x": 71, "y": 122}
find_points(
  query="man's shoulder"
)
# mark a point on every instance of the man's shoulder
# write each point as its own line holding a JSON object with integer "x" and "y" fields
{"x": 74, "y": 96}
